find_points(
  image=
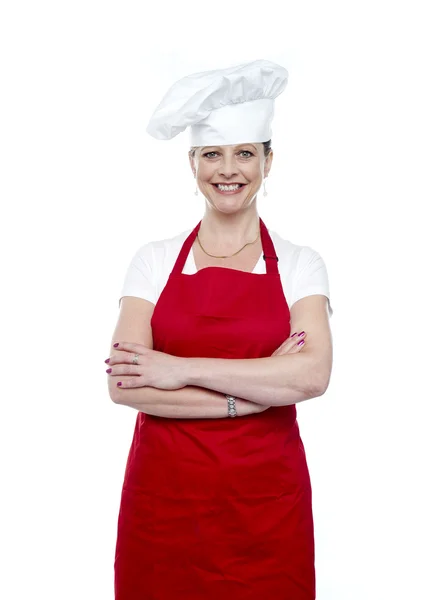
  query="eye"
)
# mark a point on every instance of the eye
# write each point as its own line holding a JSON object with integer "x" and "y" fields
{"x": 207, "y": 154}
{"x": 246, "y": 152}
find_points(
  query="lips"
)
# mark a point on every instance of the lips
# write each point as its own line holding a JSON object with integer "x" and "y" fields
{"x": 229, "y": 189}
{"x": 232, "y": 183}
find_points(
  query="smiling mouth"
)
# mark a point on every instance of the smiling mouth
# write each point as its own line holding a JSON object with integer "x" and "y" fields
{"x": 228, "y": 187}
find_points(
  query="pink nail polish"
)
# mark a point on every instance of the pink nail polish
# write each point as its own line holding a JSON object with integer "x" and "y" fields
{"x": 294, "y": 334}
{"x": 116, "y": 345}
{"x": 300, "y": 343}
{"x": 107, "y": 361}
{"x": 119, "y": 383}
{"x": 108, "y": 370}
{"x": 302, "y": 333}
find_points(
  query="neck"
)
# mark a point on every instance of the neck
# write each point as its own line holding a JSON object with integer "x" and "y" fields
{"x": 229, "y": 231}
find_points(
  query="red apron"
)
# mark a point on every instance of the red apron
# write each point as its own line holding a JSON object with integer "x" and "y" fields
{"x": 217, "y": 509}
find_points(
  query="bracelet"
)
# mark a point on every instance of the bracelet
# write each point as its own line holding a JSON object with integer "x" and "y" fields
{"x": 232, "y": 409}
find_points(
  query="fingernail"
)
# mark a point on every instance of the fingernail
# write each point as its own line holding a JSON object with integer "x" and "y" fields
{"x": 302, "y": 333}
{"x": 300, "y": 343}
{"x": 116, "y": 345}
{"x": 107, "y": 361}
{"x": 294, "y": 334}
{"x": 119, "y": 383}
{"x": 108, "y": 371}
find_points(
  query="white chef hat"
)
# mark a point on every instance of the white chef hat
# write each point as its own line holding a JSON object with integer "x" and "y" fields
{"x": 222, "y": 107}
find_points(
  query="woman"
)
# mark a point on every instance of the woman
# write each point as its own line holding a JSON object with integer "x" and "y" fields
{"x": 216, "y": 502}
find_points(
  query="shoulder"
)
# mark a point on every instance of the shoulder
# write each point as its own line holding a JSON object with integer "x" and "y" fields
{"x": 293, "y": 256}
{"x": 157, "y": 251}
{"x": 302, "y": 268}
{"x": 150, "y": 266}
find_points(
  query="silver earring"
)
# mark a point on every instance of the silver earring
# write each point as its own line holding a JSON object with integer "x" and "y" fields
{"x": 265, "y": 190}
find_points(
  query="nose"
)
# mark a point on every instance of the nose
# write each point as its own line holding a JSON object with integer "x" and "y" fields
{"x": 228, "y": 167}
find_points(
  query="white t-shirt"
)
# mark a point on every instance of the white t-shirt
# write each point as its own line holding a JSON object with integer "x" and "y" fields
{"x": 302, "y": 270}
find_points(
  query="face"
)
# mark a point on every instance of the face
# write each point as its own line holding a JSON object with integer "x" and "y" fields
{"x": 230, "y": 176}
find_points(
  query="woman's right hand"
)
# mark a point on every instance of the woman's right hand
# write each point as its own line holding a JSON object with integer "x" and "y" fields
{"x": 289, "y": 346}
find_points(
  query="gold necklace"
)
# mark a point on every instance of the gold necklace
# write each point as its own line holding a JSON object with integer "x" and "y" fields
{"x": 230, "y": 255}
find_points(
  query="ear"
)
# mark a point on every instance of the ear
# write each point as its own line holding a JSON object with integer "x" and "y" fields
{"x": 192, "y": 164}
{"x": 268, "y": 163}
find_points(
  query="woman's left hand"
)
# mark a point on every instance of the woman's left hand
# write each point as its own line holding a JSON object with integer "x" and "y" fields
{"x": 154, "y": 368}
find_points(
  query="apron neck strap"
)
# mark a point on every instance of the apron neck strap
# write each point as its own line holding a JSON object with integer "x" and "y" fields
{"x": 269, "y": 253}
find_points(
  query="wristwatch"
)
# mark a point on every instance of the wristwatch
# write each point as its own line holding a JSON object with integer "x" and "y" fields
{"x": 232, "y": 409}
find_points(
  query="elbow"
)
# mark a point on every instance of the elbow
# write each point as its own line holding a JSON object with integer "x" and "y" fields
{"x": 322, "y": 384}
{"x": 317, "y": 383}
{"x": 313, "y": 391}
{"x": 320, "y": 391}
{"x": 321, "y": 373}
{"x": 316, "y": 377}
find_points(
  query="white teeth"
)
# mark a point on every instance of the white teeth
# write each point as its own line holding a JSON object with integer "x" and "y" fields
{"x": 228, "y": 188}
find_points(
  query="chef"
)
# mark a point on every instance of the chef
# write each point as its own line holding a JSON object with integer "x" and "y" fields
{"x": 222, "y": 330}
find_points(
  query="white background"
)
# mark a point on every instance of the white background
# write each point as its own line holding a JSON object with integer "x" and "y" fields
{"x": 83, "y": 186}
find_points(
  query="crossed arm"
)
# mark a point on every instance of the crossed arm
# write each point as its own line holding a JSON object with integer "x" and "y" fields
{"x": 257, "y": 383}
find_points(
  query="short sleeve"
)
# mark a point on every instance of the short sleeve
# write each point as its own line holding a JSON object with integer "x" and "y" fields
{"x": 139, "y": 279}
{"x": 311, "y": 276}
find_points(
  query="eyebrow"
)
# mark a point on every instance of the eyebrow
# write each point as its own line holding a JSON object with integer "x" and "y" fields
{"x": 244, "y": 145}
{"x": 236, "y": 146}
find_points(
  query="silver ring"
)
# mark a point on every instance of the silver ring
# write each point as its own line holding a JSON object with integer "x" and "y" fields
{"x": 136, "y": 359}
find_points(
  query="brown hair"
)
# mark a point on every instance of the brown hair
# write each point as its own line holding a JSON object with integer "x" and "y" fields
{"x": 267, "y": 149}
